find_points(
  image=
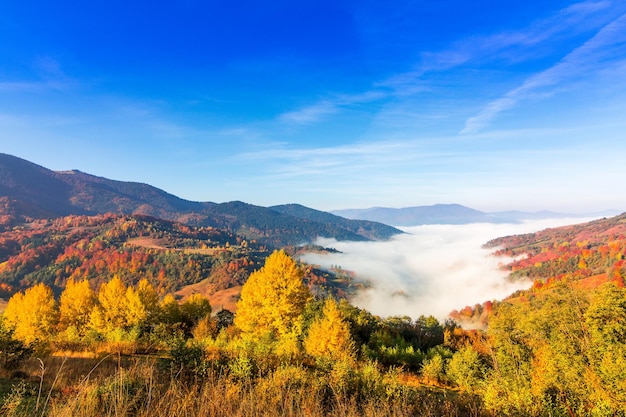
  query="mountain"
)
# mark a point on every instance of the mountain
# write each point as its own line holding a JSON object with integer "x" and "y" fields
{"x": 28, "y": 190}
{"x": 451, "y": 214}
{"x": 370, "y": 229}
{"x": 413, "y": 216}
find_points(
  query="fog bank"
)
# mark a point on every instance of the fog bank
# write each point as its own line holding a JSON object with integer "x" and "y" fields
{"x": 432, "y": 269}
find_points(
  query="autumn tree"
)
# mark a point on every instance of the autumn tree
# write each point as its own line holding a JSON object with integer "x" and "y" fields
{"x": 149, "y": 298}
{"x": 465, "y": 368}
{"x": 75, "y": 305}
{"x": 169, "y": 310}
{"x": 329, "y": 337}
{"x": 606, "y": 321}
{"x": 194, "y": 309}
{"x": 273, "y": 300}
{"x": 135, "y": 311}
{"x": 111, "y": 312}
{"x": 33, "y": 314}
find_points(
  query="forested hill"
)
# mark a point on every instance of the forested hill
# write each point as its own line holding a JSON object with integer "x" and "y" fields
{"x": 169, "y": 255}
{"x": 582, "y": 256}
{"x": 30, "y": 191}
{"x": 370, "y": 229}
{"x": 595, "y": 249}
{"x": 593, "y": 232}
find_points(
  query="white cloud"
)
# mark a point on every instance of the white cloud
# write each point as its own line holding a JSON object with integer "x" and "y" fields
{"x": 310, "y": 114}
{"x": 328, "y": 106}
{"x": 432, "y": 270}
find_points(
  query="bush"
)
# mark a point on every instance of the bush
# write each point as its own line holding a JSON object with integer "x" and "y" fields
{"x": 12, "y": 351}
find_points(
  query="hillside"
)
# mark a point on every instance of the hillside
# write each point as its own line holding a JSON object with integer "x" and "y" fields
{"x": 29, "y": 191}
{"x": 369, "y": 229}
{"x": 582, "y": 256}
{"x": 172, "y": 256}
{"x": 570, "y": 252}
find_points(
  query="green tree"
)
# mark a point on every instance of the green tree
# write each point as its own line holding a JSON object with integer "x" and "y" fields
{"x": 12, "y": 351}
{"x": 540, "y": 356}
{"x": 507, "y": 388}
{"x": 169, "y": 310}
{"x": 433, "y": 369}
{"x": 465, "y": 369}
{"x": 194, "y": 309}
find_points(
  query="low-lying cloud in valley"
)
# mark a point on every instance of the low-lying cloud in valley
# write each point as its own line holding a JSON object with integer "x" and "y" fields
{"x": 432, "y": 269}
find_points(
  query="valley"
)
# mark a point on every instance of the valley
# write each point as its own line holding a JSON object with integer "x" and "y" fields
{"x": 80, "y": 286}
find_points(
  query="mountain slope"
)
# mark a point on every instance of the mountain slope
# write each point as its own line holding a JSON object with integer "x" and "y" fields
{"x": 569, "y": 253}
{"x": 367, "y": 228}
{"x": 28, "y": 190}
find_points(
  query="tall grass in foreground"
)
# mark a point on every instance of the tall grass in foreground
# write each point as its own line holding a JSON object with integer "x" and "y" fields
{"x": 143, "y": 387}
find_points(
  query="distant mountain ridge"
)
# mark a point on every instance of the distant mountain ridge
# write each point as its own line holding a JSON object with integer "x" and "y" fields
{"x": 448, "y": 214}
{"x": 30, "y": 190}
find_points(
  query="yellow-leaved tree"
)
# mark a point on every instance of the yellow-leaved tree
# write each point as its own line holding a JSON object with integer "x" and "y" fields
{"x": 329, "y": 337}
{"x": 32, "y": 314}
{"x": 136, "y": 313}
{"x": 112, "y": 312}
{"x": 273, "y": 300}
{"x": 75, "y": 306}
{"x": 150, "y": 300}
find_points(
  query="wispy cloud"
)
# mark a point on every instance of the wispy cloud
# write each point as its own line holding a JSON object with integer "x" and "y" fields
{"x": 328, "y": 106}
{"x": 36, "y": 86}
{"x": 310, "y": 114}
{"x": 345, "y": 163}
{"x": 50, "y": 76}
{"x": 511, "y": 46}
{"x": 508, "y": 46}
{"x": 586, "y": 59}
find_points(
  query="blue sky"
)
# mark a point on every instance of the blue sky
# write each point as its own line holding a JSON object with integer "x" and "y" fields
{"x": 332, "y": 104}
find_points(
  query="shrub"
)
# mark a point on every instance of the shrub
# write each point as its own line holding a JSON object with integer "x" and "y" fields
{"x": 12, "y": 351}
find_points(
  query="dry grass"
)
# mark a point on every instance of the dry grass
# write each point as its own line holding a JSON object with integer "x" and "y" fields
{"x": 221, "y": 299}
{"x": 144, "y": 387}
{"x": 226, "y": 299}
{"x": 163, "y": 244}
